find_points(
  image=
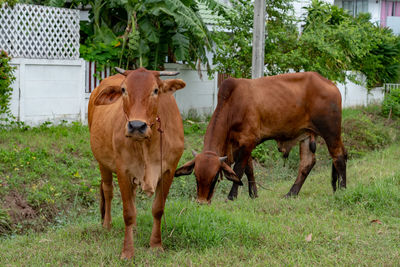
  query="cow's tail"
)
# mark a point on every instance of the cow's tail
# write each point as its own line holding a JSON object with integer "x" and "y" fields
{"x": 102, "y": 201}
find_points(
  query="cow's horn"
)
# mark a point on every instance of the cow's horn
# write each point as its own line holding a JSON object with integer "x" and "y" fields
{"x": 194, "y": 153}
{"x": 119, "y": 70}
{"x": 222, "y": 158}
{"x": 169, "y": 73}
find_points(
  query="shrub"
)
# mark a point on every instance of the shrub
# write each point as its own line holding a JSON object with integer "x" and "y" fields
{"x": 365, "y": 132}
{"x": 6, "y": 78}
{"x": 391, "y": 103}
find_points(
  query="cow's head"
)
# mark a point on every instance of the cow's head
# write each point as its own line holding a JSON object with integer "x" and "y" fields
{"x": 140, "y": 93}
{"x": 208, "y": 168}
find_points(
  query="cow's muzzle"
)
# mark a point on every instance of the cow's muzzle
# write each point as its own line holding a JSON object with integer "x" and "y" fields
{"x": 137, "y": 127}
{"x": 137, "y": 130}
{"x": 203, "y": 201}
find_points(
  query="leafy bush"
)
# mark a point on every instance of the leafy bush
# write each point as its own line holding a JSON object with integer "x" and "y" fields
{"x": 391, "y": 103}
{"x": 6, "y": 78}
{"x": 365, "y": 132}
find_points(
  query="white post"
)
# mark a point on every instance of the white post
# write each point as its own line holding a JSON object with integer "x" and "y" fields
{"x": 22, "y": 90}
{"x": 82, "y": 91}
{"x": 257, "y": 69}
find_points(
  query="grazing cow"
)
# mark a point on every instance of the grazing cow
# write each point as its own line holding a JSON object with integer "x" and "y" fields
{"x": 288, "y": 108}
{"x": 130, "y": 117}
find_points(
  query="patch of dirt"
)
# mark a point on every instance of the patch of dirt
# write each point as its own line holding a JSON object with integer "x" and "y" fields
{"x": 17, "y": 207}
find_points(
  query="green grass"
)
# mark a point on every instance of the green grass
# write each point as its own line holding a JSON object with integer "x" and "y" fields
{"x": 269, "y": 230}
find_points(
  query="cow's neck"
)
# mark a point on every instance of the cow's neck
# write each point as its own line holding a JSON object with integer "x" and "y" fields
{"x": 217, "y": 133}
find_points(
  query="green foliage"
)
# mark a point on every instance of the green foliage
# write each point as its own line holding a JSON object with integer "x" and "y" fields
{"x": 332, "y": 43}
{"x": 391, "y": 103}
{"x": 234, "y": 43}
{"x": 8, "y": 2}
{"x": 6, "y": 78}
{"x": 363, "y": 132}
{"x": 135, "y": 34}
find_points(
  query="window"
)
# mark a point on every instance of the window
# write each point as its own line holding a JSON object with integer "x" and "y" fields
{"x": 355, "y": 7}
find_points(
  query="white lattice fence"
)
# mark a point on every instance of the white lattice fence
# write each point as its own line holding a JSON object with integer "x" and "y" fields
{"x": 33, "y": 31}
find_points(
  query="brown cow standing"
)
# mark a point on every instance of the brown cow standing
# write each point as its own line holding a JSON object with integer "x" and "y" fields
{"x": 287, "y": 108}
{"x": 125, "y": 140}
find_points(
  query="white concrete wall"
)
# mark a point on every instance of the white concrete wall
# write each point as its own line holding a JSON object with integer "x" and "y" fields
{"x": 200, "y": 94}
{"x": 374, "y": 8}
{"x": 48, "y": 90}
{"x": 357, "y": 95}
{"x": 54, "y": 90}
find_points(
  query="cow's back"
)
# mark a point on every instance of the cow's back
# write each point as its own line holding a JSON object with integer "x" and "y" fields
{"x": 278, "y": 106}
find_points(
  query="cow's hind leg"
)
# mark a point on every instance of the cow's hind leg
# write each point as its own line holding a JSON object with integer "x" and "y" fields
{"x": 307, "y": 162}
{"x": 158, "y": 208}
{"x": 339, "y": 158}
{"x": 106, "y": 195}
{"x": 250, "y": 177}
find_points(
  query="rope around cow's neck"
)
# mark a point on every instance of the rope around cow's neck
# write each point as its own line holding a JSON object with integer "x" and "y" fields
{"x": 158, "y": 119}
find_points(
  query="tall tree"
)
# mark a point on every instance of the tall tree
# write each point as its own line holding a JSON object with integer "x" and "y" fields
{"x": 234, "y": 42}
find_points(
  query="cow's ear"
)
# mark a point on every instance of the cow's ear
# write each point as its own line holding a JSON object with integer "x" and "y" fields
{"x": 171, "y": 85}
{"x": 230, "y": 174}
{"x": 185, "y": 169}
{"x": 108, "y": 95}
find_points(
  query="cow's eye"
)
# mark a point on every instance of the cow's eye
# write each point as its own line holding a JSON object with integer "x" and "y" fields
{"x": 123, "y": 90}
{"x": 155, "y": 91}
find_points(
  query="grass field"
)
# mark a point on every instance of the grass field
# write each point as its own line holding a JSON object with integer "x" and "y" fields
{"x": 50, "y": 172}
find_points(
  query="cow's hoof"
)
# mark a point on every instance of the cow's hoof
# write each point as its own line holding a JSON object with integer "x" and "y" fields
{"x": 107, "y": 226}
{"x": 253, "y": 195}
{"x": 231, "y": 197}
{"x": 157, "y": 248}
{"x": 290, "y": 195}
{"x": 127, "y": 255}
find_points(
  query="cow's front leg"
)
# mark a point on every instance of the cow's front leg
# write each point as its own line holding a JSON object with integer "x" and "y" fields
{"x": 129, "y": 210}
{"x": 241, "y": 159}
{"x": 158, "y": 208}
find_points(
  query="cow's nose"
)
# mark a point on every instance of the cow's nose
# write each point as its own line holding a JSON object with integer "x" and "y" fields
{"x": 139, "y": 126}
{"x": 203, "y": 201}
